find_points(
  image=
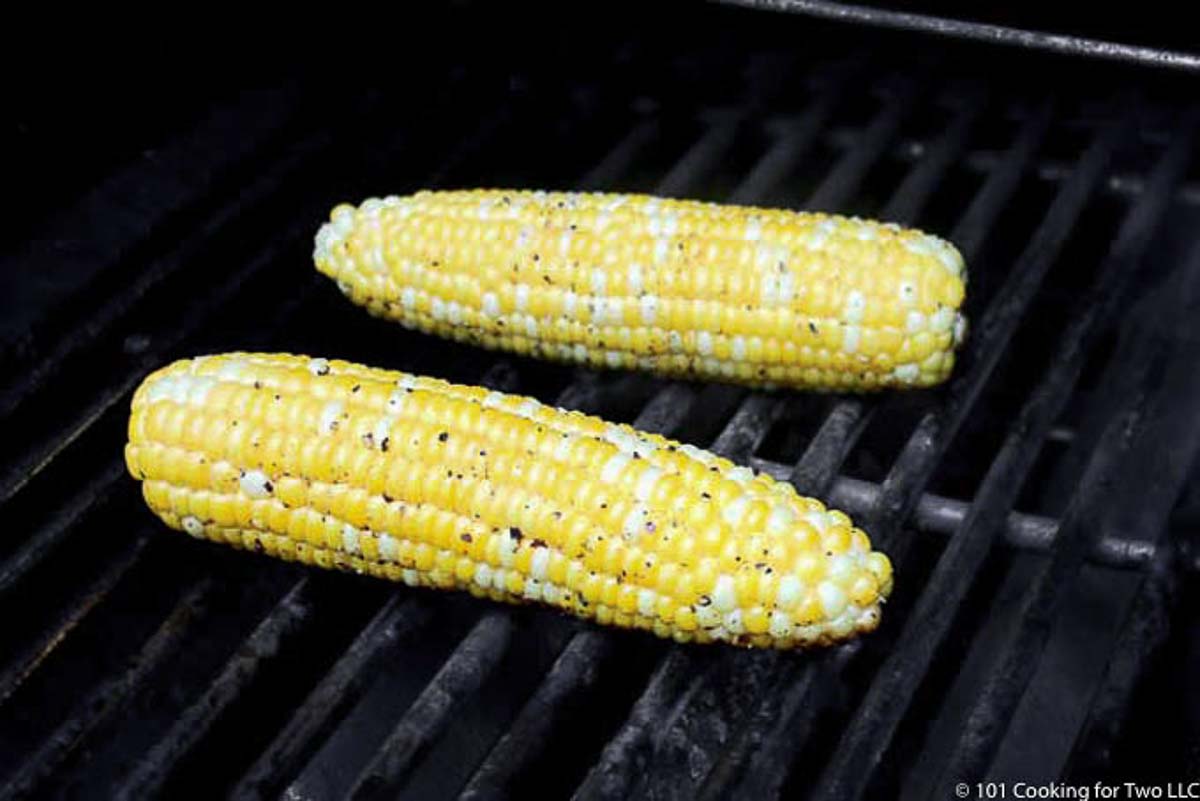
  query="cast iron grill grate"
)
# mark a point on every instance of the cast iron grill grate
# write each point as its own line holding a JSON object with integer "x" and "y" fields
{"x": 1026, "y": 504}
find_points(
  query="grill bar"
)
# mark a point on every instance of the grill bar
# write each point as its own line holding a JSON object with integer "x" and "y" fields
{"x": 618, "y": 769}
{"x": 1146, "y": 625}
{"x": 923, "y": 180}
{"x": 701, "y": 728}
{"x": 764, "y": 776}
{"x": 1120, "y": 184}
{"x": 398, "y": 621}
{"x": 757, "y": 672}
{"x": 463, "y": 674}
{"x": 917, "y": 461}
{"x": 28, "y": 558}
{"x": 940, "y": 515}
{"x": 749, "y": 424}
{"x": 148, "y": 777}
{"x": 192, "y": 319}
{"x": 85, "y": 503}
{"x": 842, "y": 427}
{"x": 828, "y": 448}
{"x": 793, "y": 140}
{"x": 109, "y": 696}
{"x": 872, "y": 728}
{"x": 842, "y": 181}
{"x": 1145, "y": 631}
{"x": 995, "y": 705}
{"x": 573, "y": 674}
{"x": 630, "y": 752}
{"x": 972, "y": 230}
{"x": 24, "y": 664}
{"x": 717, "y": 140}
{"x": 619, "y": 159}
{"x": 914, "y": 466}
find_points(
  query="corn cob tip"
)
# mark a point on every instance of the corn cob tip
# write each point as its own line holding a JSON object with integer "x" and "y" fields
{"x": 434, "y": 484}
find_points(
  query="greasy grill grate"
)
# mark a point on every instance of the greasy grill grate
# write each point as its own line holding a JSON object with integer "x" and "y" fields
{"x": 137, "y": 663}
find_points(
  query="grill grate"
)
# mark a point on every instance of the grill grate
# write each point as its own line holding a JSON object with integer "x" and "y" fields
{"x": 194, "y": 671}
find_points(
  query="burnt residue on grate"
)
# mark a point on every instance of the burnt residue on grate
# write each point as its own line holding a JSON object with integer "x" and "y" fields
{"x": 1027, "y": 504}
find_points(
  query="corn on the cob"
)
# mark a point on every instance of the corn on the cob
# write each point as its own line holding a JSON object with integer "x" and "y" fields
{"x": 434, "y": 484}
{"x": 754, "y": 296}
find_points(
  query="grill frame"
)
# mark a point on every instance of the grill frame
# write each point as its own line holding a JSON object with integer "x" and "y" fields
{"x": 705, "y": 721}
{"x": 973, "y": 30}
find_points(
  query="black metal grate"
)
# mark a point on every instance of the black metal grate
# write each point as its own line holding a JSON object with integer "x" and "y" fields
{"x": 1026, "y": 504}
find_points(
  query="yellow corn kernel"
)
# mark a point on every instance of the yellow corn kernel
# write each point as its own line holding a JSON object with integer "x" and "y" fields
{"x": 457, "y": 487}
{"x": 749, "y": 295}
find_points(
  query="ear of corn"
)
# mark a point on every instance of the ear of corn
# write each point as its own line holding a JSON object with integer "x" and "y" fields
{"x": 755, "y": 296}
{"x": 433, "y": 484}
